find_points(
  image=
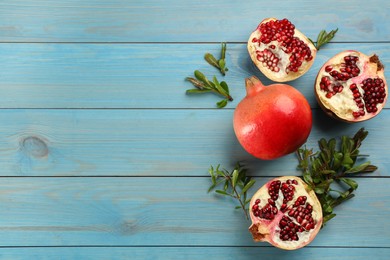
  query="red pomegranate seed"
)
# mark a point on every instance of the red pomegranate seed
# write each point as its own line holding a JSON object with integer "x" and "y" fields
{"x": 328, "y": 68}
{"x": 329, "y": 95}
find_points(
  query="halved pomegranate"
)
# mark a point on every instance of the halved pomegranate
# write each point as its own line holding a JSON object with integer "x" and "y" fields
{"x": 280, "y": 51}
{"x": 286, "y": 213}
{"x": 351, "y": 86}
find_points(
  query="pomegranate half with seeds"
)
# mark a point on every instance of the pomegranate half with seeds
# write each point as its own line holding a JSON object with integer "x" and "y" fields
{"x": 351, "y": 86}
{"x": 280, "y": 51}
{"x": 286, "y": 213}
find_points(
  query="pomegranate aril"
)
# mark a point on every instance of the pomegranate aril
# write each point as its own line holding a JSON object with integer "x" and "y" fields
{"x": 356, "y": 114}
{"x": 329, "y": 95}
{"x": 328, "y": 68}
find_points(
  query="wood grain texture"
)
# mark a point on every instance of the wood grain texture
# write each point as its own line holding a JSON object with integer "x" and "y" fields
{"x": 152, "y": 143}
{"x": 134, "y": 75}
{"x": 163, "y": 212}
{"x": 103, "y": 156}
{"x": 184, "y": 21}
{"x": 193, "y": 253}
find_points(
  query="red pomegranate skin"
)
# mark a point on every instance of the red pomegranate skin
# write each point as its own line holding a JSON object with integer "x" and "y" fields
{"x": 272, "y": 121}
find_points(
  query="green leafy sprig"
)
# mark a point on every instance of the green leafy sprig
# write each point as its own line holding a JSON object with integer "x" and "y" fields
{"x": 323, "y": 38}
{"x": 219, "y": 64}
{"x": 234, "y": 184}
{"x": 204, "y": 85}
{"x": 332, "y": 166}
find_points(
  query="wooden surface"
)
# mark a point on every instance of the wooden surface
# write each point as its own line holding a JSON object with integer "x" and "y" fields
{"x": 103, "y": 156}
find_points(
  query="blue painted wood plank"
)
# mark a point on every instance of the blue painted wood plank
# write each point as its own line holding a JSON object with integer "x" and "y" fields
{"x": 163, "y": 212}
{"x": 152, "y": 142}
{"x": 184, "y": 21}
{"x": 193, "y": 253}
{"x": 134, "y": 75}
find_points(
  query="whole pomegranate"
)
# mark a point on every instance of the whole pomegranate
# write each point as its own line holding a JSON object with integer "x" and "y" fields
{"x": 272, "y": 121}
{"x": 285, "y": 213}
{"x": 351, "y": 86}
{"x": 280, "y": 51}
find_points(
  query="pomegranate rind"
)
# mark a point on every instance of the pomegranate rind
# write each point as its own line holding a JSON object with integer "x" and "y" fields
{"x": 343, "y": 107}
{"x": 264, "y": 230}
{"x": 280, "y": 76}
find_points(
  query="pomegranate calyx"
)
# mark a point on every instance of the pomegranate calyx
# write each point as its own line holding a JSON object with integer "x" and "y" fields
{"x": 375, "y": 59}
{"x": 253, "y": 85}
{"x": 257, "y": 236}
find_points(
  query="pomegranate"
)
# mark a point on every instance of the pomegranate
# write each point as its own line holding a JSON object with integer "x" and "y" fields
{"x": 280, "y": 51}
{"x": 272, "y": 121}
{"x": 351, "y": 86}
{"x": 286, "y": 213}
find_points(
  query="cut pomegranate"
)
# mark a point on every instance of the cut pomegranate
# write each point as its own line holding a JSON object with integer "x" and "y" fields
{"x": 280, "y": 51}
{"x": 351, "y": 86}
{"x": 272, "y": 121}
{"x": 285, "y": 213}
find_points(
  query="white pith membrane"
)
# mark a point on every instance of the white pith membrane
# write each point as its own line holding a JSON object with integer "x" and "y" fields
{"x": 280, "y": 75}
{"x": 342, "y": 104}
{"x": 269, "y": 230}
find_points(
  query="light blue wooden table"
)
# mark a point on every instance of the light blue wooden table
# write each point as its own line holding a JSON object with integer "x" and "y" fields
{"x": 103, "y": 156}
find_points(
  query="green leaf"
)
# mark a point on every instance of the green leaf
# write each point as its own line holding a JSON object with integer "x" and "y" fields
{"x": 211, "y": 170}
{"x": 359, "y": 168}
{"x": 211, "y": 60}
{"x": 219, "y": 172}
{"x": 226, "y": 186}
{"x": 197, "y": 91}
{"x": 222, "y": 192}
{"x": 213, "y": 179}
{"x": 328, "y": 217}
{"x": 211, "y": 188}
{"x": 351, "y": 183}
{"x": 237, "y": 207}
{"x": 369, "y": 168}
{"x": 332, "y": 145}
{"x": 225, "y": 86}
{"x": 234, "y": 178}
{"x": 324, "y": 37}
{"x": 223, "y": 50}
{"x": 221, "y": 64}
{"x": 248, "y": 186}
{"x": 347, "y": 161}
{"x": 323, "y": 144}
{"x": 326, "y": 172}
{"x": 307, "y": 178}
{"x": 327, "y": 208}
{"x": 219, "y": 87}
{"x": 337, "y": 158}
{"x": 222, "y": 103}
{"x": 200, "y": 76}
{"x": 319, "y": 190}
